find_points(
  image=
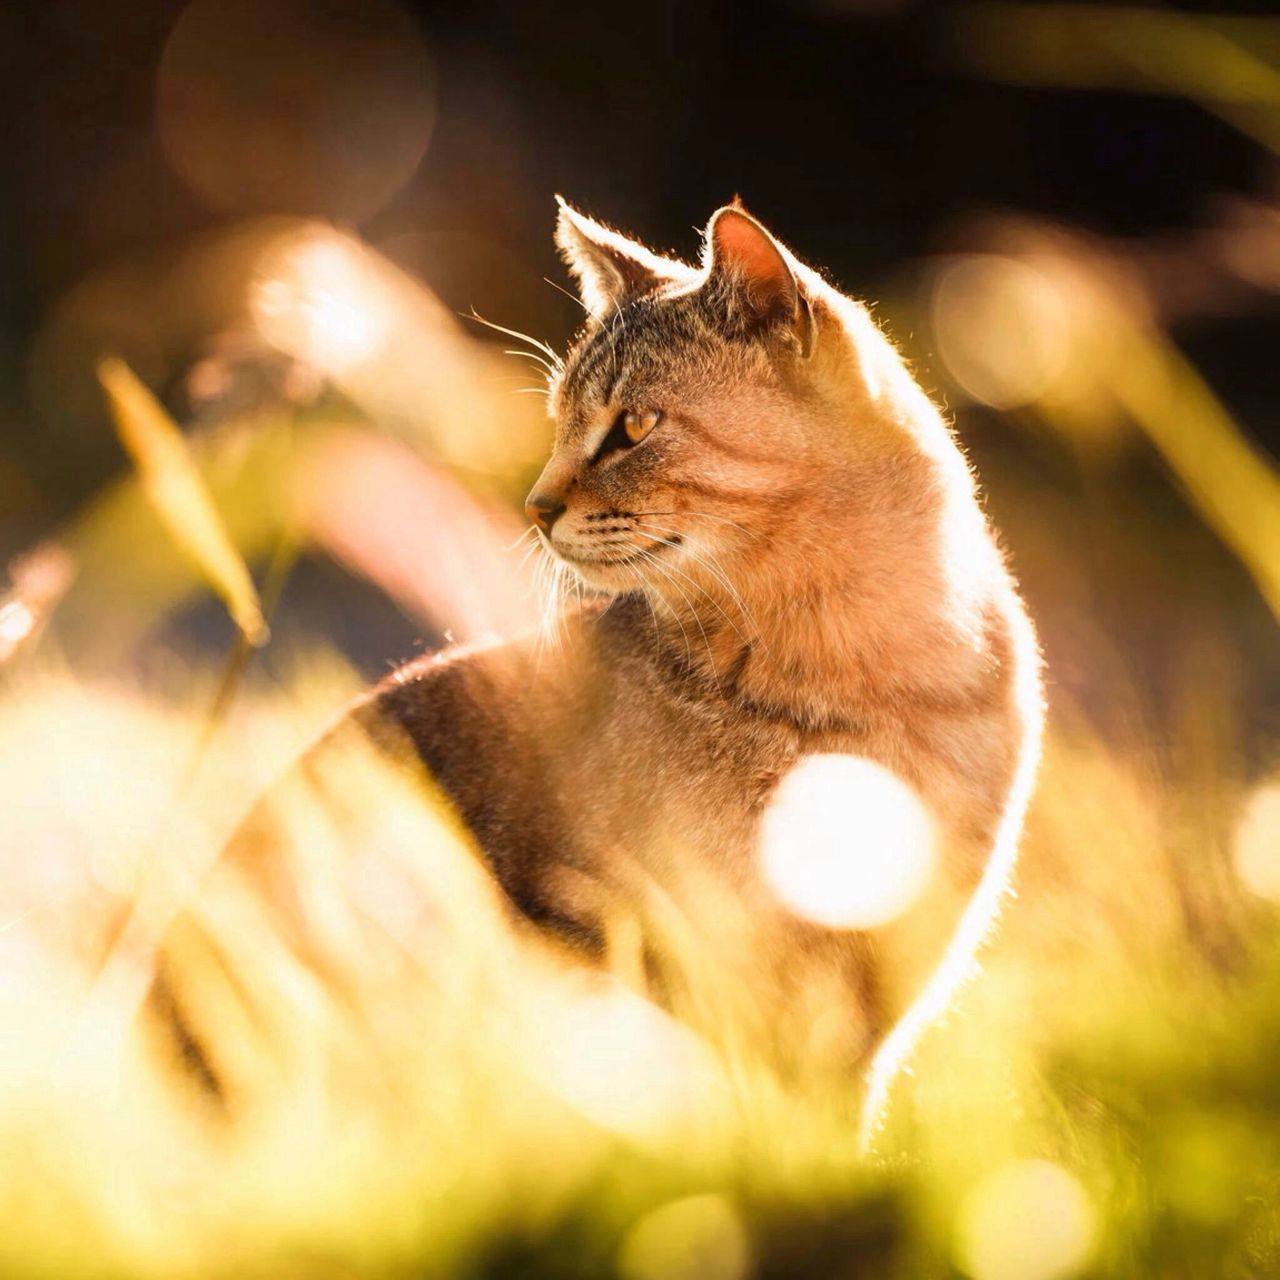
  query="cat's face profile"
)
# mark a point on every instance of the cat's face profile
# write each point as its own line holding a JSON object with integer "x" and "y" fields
{"x": 687, "y": 422}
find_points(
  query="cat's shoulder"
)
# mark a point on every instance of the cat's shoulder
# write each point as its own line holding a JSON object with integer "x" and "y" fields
{"x": 452, "y": 687}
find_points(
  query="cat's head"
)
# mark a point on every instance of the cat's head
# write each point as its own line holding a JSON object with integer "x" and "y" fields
{"x": 702, "y": 409}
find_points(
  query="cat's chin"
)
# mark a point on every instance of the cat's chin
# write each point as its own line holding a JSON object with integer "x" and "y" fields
{"x": 625, "y": 573}
{"x": 611, "y": 577}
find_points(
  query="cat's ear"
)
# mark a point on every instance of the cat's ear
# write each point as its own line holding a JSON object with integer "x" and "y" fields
{"x": 609, "y": 268}
{"x": 755, "y": 275}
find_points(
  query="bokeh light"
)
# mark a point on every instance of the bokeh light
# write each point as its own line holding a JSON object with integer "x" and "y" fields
{"x": 595, "y": 1040}
{"x": 329, "y": 300}
{"x": 17, "y": 621}
{"x": 258, "y": 206}
{"x": 1257, "y": 841}
{"x": 1003, "y": 328}
{"x": 319, "y": 300}
{"x": 845, "y": 843}
{"x": 1029, "y": 1220}
{"x": 694, "y": 1238}
{"x": 285, "y": 106}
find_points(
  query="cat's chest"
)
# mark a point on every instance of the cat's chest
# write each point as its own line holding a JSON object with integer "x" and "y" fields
{"x": 665, "y": 772}
{"x": 680, "y": 781}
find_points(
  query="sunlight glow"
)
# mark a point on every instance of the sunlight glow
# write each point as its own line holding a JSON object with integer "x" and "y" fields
{"x": 1030, "y": 1220}
{"x": 694, "y": 1238}
{"x": 321, "y": 303}
{"x": 269, "y": 105}
{"x": 1002, "y": 327}
{"x": 845, "y": 843}
{"x": 17, "y": 621}
{"x": 1257, "y": 843}
{"x": 620, "y": 1061}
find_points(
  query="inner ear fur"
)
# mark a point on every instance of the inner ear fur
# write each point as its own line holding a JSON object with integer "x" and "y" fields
{"x": 741, "y": 255}
{"x": 610, "y": 269}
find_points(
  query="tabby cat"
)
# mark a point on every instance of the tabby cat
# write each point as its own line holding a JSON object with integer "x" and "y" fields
{"x": 783, "y": 556}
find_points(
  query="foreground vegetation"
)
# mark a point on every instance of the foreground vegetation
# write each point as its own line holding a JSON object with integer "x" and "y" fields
{"x": 435, "y": 1097}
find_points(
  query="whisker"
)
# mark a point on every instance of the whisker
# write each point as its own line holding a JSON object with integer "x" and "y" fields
{"x": 648, "y": 604}
{"x": 545, "y": 591}
{"x": 650, "y": 586}
{"x": 708, "y": 562}
{"x": 541, "y": 361}
{"x": 663, "y": 569}
{"x": 573, "y": 297}
{"x": 500, "y": 378}
{"x": 668, "y": 570}
{"x": 549, "y": 630}
{"x": 530, "y": 532}
{"x": 697, "y": 586}
{"x": 521, "y": 337}
{"x": 634, "y": 575}
{"x": 557, "y": 595}
{"x": 524, "y": 559}
{"x": 702, "y": 558}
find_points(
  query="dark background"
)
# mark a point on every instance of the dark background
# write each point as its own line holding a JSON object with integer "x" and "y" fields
{"x": 854, "y": 130}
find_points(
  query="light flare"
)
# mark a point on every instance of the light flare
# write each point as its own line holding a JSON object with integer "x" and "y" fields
{"x": 1003, "y": 328}
{"x": 846, "y": 843}
{"x": 1257, "y": 842}
{"x": 321, "y": 302}
{"x": 697, "y": 1237}
{"x": 621, "y": 1062}
{"x": 391, "y": 347}
{"x": 17, "y": 621}
{"x": 1029, "y": 1220}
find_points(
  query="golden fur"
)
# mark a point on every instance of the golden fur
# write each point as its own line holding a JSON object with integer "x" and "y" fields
{"x": 791, "y": 561}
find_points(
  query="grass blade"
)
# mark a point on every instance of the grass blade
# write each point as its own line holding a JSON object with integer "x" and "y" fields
{"x": 175, "y": 488}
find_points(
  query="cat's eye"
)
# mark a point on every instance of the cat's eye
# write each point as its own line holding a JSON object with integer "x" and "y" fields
{"x": 628, "y": 429}
{"x": 638, "y": 425}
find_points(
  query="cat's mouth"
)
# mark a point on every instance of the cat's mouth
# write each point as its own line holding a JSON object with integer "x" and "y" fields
{"x": 606, "y": 567}
{"x": 649, "y": 552}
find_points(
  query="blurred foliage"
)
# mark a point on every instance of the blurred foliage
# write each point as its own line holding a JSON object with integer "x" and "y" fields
{"x": 430, "y": 1094}
{"x": 178, "y": 495}
{"x": 427, "y": 1093}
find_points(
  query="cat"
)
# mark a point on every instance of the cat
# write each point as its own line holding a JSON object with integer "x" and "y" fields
{"x": 784, "y": 556}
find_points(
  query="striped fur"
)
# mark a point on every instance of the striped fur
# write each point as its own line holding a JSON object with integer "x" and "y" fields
{"x": 793, "y": 561}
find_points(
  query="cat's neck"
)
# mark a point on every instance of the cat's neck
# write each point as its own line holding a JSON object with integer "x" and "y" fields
{"x": 830, "y": 627}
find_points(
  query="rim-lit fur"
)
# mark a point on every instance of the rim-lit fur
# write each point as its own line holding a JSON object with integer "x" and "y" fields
{"x": 792, "y": 561}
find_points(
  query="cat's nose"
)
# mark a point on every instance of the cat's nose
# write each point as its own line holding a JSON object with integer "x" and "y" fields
{"x": 543, "y": 511}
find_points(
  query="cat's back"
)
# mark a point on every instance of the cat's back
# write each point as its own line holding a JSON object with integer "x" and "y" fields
{"x": 496, "y": 727}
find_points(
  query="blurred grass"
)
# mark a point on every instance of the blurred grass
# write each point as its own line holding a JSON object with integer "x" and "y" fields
{"x": 1229, "y": 64}
{"x": 422, "y": 1095}
{"x": 418, "y": 1091}
{"x": 173, "y": 485}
